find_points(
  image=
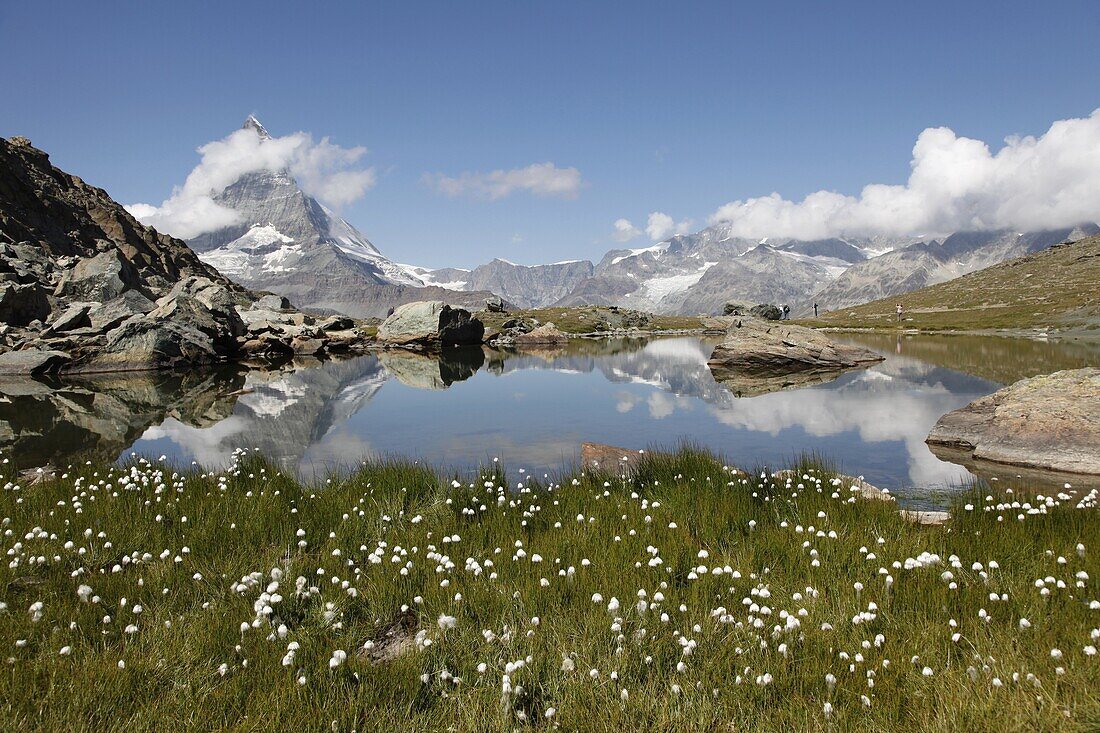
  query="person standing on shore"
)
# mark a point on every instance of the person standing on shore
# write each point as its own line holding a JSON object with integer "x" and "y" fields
{"x": 899, "y": 307}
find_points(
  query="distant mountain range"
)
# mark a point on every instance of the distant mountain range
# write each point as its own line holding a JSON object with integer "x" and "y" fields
{"x": 699, "y": 273}
{"x": 292, "y": 245}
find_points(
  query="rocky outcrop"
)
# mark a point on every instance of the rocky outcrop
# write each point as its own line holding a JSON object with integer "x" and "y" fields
{"x": 32, "y": 361}
{"x": 430, "y": 324}
{"x": 85, "y": 283}
{"x": 1049, "y": 422}
{"x": 767, "y": 311}
{"x": 768, "y": 355}
{"x": 545, "y": 334}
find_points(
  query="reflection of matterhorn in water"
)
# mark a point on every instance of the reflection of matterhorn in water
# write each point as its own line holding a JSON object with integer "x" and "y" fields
{"x": 281, "y": 413}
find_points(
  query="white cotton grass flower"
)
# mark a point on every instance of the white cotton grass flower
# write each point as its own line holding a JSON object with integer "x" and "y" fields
{"x": 447, "y": 622}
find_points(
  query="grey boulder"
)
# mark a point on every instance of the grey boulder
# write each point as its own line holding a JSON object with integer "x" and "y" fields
{"x": 431, "y": 323}
{"x": 72, "y": 318}
{"x": 100, "y": 278}
{"x": 21, "y": 304}
{"x": 767, "y": 311}
{"x": 112, "y": 313}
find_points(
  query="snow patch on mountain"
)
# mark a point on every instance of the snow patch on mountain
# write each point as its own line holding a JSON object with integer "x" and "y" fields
{"x": 263, "y": 247}
{"x": 656, "y": 249}
{"x": 424, "y": 276}
{"x": 658, "y": 288}
{"x": 834, "y": 266}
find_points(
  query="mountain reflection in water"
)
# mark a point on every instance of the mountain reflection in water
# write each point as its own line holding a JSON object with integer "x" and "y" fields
{"x": 532, "y": 410}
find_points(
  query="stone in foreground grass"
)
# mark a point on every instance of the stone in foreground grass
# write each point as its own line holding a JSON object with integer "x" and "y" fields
{"x": 688, "y": 597}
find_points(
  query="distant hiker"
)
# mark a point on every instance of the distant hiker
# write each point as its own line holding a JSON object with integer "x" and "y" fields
{"x": 815, "y": 310}
{"x": 389, "y": 312}
{"x": 899, "y": 312}
{"x": 786, "y": 313}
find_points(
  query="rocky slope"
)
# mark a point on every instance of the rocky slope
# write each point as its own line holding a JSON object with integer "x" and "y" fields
{"x": 529, "y": 286}
{"x": 85, "y": 287}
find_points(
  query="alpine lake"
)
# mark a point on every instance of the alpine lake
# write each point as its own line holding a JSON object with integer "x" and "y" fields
{"x": 532, "y": 410}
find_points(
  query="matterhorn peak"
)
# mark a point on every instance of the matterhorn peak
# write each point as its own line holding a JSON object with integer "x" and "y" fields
{"x": 251, "y": 123}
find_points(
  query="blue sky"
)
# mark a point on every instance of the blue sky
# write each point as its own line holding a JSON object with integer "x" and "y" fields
{"x": 678, "y": 108}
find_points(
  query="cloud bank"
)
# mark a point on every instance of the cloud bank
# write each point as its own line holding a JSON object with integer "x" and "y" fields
{"x": 956, "y": 183}
{"x": 659, "y": 226}
{"x": 539, "y": 179}
{"x": 322, "y": 169}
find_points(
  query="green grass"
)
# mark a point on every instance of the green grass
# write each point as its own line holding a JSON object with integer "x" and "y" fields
{"x": 1052, "y": 289}
{"x": 595, "y": 534}
{"x": 578, "y": 320}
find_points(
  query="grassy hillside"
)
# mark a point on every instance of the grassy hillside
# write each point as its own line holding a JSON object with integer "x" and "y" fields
{"x": 690, "y": 597}
{"x": 1057, "y": 288}
{"x": 584, "y": 319}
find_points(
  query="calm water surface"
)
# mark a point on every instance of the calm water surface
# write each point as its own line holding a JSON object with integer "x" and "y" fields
{"x": 530, "y": 410}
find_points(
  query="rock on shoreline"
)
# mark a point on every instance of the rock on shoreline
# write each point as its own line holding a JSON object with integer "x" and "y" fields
{"x": 761, "y": 356}
{"x": 431, "y": 323}
{"x": 1051, "y": 422}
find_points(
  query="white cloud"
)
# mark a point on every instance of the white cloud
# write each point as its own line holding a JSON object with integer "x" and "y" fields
{"x": 540, "y": 179}
{"x": 955, "y": 183}
{"x": 322, "y": 169}
{"x": 625, "y": 231}
{"x": 661, "y": 226}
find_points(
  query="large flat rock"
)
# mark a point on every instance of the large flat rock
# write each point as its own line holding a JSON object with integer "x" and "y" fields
{"x": 766, "y": 351}
{"x": 1051, "y": 422}
{"x": 32, "y": 361}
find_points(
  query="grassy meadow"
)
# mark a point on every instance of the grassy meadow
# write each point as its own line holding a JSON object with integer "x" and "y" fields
{"x": 583, "y": 319}
{"x": 690, "y": 596}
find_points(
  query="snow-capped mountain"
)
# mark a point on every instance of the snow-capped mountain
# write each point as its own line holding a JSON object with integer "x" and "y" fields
{"x": 527, "y": 286}
{"x": 700, "y": 272}
{"x": 289, "y": 243}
